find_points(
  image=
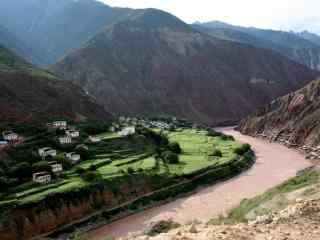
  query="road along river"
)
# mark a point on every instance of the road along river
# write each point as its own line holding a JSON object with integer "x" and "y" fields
{"x": 275, "y": 164}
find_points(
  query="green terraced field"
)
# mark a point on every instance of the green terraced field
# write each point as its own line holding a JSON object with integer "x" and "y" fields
{"x": 114, "y": 155}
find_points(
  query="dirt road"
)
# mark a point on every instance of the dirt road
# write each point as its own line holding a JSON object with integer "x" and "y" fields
{"x": 275, "y": 164}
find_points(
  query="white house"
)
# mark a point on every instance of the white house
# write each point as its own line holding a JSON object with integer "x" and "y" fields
{"x": 10, "y": 136}
{"x": 127, "y": 131}
{"x": 73, "y": 133}
{"x": 3, "y": 143}
{"x": 94, "y": 139}
{"x": 41, "y": 177}
{"x": 47, "y": 151}
{"x": 73, "y": 157}
{"x": 56, "y": 167}
{"x": 58, "y": 124}
{"x": 65, "y": 140}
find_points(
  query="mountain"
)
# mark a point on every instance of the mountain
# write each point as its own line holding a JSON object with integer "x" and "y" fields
{"x": 310, "y": 36}
{"x": 152, "y": 63}
{"x": 32, "y": 94}
{"x": 55, "y": 27}
{"x": 294, "y": 46}
{"x": 293, "y": 118}
{"x": 12, "y": 42}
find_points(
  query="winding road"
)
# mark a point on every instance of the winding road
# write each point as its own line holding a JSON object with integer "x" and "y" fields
{"x": 275, "y": 164}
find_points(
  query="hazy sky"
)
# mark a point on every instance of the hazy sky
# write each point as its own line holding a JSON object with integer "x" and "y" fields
{"x": 277, "y": 14}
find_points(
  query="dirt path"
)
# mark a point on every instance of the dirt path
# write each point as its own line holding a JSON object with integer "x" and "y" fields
{"x": 275, "y": 164}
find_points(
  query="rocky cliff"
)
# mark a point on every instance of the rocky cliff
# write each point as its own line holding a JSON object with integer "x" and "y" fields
{"x": 293, "y": 119}
{"x": 153, "y": 64}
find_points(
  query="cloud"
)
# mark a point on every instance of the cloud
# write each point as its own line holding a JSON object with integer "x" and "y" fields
{"x": 276, "y": 14}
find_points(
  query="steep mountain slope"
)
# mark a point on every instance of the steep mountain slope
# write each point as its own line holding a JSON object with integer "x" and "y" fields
{"x": 31, "y": 94}
{"x": 54, "y": 27}
{"x": 12, "y": 42}
{"x": 294, "y": 117}
{"x": 296, "y": 47}
{"x": 155, "y": 64}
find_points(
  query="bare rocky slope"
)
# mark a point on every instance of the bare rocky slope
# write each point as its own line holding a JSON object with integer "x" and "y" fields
{"x": 293, "y": 119}
{"x": 297, "y": 221}
{"x": 153, "y": 64}
{"x": 29, "y": 94}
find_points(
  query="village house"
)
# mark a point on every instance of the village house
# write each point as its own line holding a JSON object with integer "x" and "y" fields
{"x": 47, "y": 151}
{"x": 73, "y": 133}
{"x": 10, "y": 136}
{"x": 65, "y": 140}
{"x": 94, "y": 139}
{"x": 73, "y": 157}
{"x": 41, "y": 177}
{"x": 3, "y": 144}
{"x": 58, "y": 124}
{"x": 56, "y": 167}
{"x": 127, "y": 131}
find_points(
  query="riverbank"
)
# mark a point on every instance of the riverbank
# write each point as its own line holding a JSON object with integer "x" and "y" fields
{"x": 274, "y": 164}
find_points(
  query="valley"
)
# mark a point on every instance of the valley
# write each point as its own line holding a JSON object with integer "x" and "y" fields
{"x": 113, "y": 120}
{"x": 274, "y": 164}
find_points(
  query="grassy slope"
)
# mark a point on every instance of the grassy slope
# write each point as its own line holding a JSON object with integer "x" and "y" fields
{"x": 238, "y": 214}
{"x": 9, "y": 61}
{"x": 126, "y": 153}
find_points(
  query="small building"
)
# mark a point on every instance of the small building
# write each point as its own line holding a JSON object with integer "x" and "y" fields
{"x": 73, "y": 133}
{"x": 73, "y": 157}
{"x": 3, "y": 143}
{"x": 41, "y": 177}
{"x": 65, "y": 140}
{"x": 58, "y": 124}
{"x": 56, "y": 167}
{"x": 127, "y": 131}
{"x": 94, "y": 139}
{"x": 10, "y": 136}
{"x": 47, "y": 151}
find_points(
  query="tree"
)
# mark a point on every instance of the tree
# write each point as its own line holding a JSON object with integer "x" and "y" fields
{"x": 242, "y": 149}
{"x": 175, "y": 147}
{"x": 216, "y": 153}
{"x": 90, "y": 176}
{"x": 170, "y": 157}
{"x": 21, "y": 171}
{"x": 83, "y": 151}
{"x": 41, "y": 166}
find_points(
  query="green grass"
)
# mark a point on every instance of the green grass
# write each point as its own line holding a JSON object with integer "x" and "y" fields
{"x": 239, "y": 213}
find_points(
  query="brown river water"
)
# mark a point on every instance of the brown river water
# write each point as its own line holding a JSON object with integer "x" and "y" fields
{"x": 275, "y": 164}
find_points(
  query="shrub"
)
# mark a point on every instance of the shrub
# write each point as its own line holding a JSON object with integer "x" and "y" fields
{"x": 170, "y": 157}
{"x": 22, "y": 170}
{"x": 130, "y": 171}
{"x": 175, "y": 147}
{"x": 80, "y": 170}
{"x": 227, "y": 138}
{"x": 216, "y": 153}
{"x": 242, "y": 149}
{"x": 92, "y": 167}
{"x": 90, "y": 176}
{"x": 213, "y": 133}
{"x": 41, "y": 166}
{"x": 162, "y": 227}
